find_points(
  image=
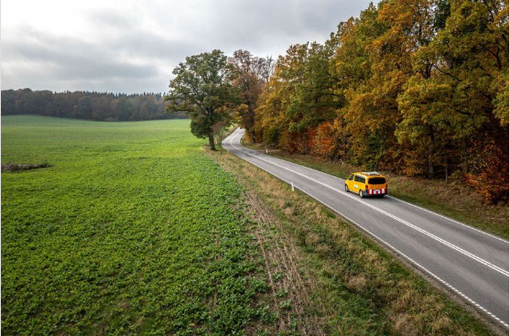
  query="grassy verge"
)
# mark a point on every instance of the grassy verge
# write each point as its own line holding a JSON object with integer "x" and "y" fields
{"x": 351, "y": 286}
{"x": 451, "y": 199}
{"x": 131, "y": 230}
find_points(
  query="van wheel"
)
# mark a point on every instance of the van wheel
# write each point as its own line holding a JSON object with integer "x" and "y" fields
{"x": 346, "y": 188}
{"x": 361, "y": 194}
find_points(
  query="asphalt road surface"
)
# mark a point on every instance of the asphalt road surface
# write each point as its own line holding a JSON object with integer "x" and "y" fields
{"x": 471, "y": 263}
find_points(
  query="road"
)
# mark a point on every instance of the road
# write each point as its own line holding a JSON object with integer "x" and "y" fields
{"x": 471, "y": 263}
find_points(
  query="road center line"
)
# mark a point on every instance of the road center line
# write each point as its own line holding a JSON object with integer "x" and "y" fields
{"x": 423, "y": 209}
{"x": 402, "y": 221}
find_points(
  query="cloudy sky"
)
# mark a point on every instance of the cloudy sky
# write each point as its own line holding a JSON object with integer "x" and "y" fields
{"x": 132, "y": 46}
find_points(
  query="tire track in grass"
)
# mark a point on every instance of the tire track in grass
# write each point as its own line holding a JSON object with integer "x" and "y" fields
{"x": 289, "y": 292}
{"x": 280, "y": 259}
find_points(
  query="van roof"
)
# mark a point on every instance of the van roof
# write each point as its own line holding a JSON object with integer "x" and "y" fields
{"x": 370, "y": 174}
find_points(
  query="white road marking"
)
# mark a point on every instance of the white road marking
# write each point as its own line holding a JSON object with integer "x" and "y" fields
{"x": 380, "y": 239}
{"x": 426, "y": 210}
{"x": 400, "y": 220}
{"x": 423, "y": 209}
{"x": 450, "y": 219}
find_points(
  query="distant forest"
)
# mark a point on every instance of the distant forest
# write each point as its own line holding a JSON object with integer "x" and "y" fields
{"x": 99, "y": 106}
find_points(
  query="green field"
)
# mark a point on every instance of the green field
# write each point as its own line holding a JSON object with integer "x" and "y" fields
{"x": 132, "y": 230}
{"x": 135, "y": 229}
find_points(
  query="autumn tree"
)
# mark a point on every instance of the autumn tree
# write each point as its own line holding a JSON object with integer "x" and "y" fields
{"x": 250, "y": 74}
{"x": 269, "y": 114}
{"x": 202, "y": 88}
{"x": 458, "y": 107}
{"x": 358, "y": 117}
{"x": 418, "y": 87}
{"x": 273, "y": 106}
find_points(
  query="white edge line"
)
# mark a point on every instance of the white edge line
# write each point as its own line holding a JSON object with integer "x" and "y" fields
{"x": 398, "y": 219}
{"x": 387, "y": 244}
{"x": 451, "y": 219}
{"x": 399, "y": 200}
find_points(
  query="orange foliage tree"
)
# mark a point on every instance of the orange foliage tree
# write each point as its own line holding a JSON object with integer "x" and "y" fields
{"x": 418, "y": 87}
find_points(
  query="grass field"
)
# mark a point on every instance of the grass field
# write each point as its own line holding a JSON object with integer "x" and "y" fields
{"x": 131, "y": 230}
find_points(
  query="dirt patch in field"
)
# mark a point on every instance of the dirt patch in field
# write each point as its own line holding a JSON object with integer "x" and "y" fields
{"x": 16, "y": 167}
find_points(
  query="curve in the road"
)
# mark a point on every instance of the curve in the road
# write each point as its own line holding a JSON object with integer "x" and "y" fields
{"x": 391, "y": 237}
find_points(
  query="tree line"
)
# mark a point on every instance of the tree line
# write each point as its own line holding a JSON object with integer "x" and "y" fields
{"x": 417, "y": 87}
{"x": 98, "y": 106}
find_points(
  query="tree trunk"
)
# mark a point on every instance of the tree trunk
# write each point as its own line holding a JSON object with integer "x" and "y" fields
{"x": 446, "y": 171}
{"x": 211, "y": 141}
{"x": 252, "y": 135}
{"x": 430, "y": 166}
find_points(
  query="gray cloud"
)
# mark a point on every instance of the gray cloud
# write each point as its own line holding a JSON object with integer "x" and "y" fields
{"x": 135, "y": 50}
{"x": 113, "y": 20}
{"x": 73, "y": 58}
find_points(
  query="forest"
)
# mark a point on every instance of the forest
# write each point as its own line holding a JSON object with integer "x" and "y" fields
{"x": 86, "y": 105}
{"x": 416, "y": 87}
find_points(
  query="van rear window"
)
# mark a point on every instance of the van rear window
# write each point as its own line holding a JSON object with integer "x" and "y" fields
{"x": 377, "y": 180}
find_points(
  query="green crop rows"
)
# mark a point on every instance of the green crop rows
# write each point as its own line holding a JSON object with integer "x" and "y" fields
{"x": 132, "y": 230}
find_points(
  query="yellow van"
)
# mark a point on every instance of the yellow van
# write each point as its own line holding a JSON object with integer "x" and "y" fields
{"x": 367, "y": 184}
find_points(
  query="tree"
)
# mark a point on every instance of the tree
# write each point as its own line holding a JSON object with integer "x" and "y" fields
{"x": 124, "y": 108}
{"x": 472, "y": 66}
{"x": 251, "y": 73}
{"x": 365, "y": 117}
{"x": 413, "y": 86}
{"x": 202, "y": 89}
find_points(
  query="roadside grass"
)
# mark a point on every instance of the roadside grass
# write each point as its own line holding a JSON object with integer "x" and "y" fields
{"x": 132, "y": 230}
{"x": 452, "y": 199}
{"x": 354, "y": 286}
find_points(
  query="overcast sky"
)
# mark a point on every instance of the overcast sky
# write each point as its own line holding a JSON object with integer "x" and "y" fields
{"x": 132, "y": 46}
